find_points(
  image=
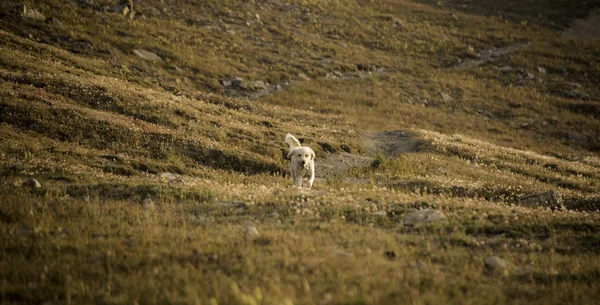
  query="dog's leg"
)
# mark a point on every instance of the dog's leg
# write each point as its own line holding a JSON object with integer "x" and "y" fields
{"x": 296, "y": 175}
{"x": 312, "y": 176}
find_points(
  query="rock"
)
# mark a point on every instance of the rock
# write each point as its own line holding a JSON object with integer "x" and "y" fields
{"x": 505, "y": 69}
{"x": 542, "y": 70}
{"x": 379, "y": 213}
{"x": 225, "y": 83}
{"x": 572, "y": 85}
{"x": 143, "y": 54}
{"x": 496, "y": 264}
{"x": 551, "y": 199}
{"x": 303, "y": 76}
{"x": 238, "y": 82}
{"x": 447, "y": 98}
{"x": 258, "y": 85}
{"x": 575, "y": 94}
{"x": 251, "y": 233}
{"x": 343, "y": 253}
{"x": 148, "y": 203}
{"x": 423, "y": 216}
{"x": 257, "y": 19}
{"x": 32, "y": 183}
{"x": 32, "y": 14}
{"x": 470, "y": 52}
{"x": 177, "y": 70}
{"x": 170, "y": 177}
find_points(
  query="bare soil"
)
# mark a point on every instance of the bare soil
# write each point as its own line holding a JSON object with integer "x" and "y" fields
{"x": 375, "y": 143}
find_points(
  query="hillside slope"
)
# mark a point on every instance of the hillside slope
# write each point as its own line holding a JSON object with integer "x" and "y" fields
{"x": 142, "y": 155}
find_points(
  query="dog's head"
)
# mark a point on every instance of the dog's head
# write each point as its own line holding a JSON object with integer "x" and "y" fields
{"x": 302, "y": 155}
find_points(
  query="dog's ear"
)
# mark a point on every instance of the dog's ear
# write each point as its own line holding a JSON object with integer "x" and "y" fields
{"x": 312, "y": 155}
{"x": 289, "y": 155}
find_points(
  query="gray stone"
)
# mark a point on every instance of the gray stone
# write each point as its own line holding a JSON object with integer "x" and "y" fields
{"x": 446, "y": 97}
{"x": 143, "y": 54}
{"x": 495, "y": 264}
{"x": 303, "y": 76}
{"x": 423, "y": 216}
{"x": 542, "y": 70}
{"x": 505, "y": 69}
{"x": 251, "y": 233}
{"x": 148, "y": 203}
{"x": 258, "y": 85}
{"x": 548, "y": 199}
{"x": 238, "y": 82}
{"x": 470, "y": 52}
{"x": 572, "y": 85}
{"x": 32, "y": 183}
{"x": 170, "y": 177}
{"x": 343, "y": 253}
{"x": 575, "y": 94}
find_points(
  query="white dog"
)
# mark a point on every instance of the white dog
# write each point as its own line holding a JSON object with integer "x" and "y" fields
{"x": 303, "y": 162}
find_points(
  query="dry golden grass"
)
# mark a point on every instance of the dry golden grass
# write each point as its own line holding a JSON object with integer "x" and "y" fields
{"x": 150, "y": 176}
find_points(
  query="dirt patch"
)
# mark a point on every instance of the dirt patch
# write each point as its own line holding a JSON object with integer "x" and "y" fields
{"x": 492, "y": 55}
{"x": 337, "y": 165}
{"x": 586, "y": 28}
{"x": 387, "y": 143}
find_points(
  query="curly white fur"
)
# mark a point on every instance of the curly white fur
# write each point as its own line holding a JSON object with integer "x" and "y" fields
{"x": 302, "y": 167}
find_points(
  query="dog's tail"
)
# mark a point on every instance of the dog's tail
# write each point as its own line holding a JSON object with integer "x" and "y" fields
{"x": 292, "y": 141}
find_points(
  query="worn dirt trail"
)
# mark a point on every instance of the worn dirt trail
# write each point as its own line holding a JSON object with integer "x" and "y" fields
{"x": 386, "y": 143}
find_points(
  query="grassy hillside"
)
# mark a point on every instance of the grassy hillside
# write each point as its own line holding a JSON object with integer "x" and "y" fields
{"x": 156, "y": 143}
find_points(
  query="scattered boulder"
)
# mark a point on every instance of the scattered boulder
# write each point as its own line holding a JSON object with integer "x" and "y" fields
{"x": 251, "y": 233}
{"x": 343, "y": 253}
{"x": 32, "y": 183}
{"x": 505, "y": 69}
{"x": 239, "y": 82}
{"x": 148, "y": 203}
{"x": 471, "y": 53}
{"x": 423, "y": 216}
{"x": 446, "y": 97}
{"x": 495, "y": 264}
{"x": 147, "y": 55}
{"x": 258, "y": 85}
{"x": 303, "y": 76}
{"x": 571, "y": 85}
{"x": 576, "y": 94}
{"x": 542, "y": 70}
{"x": 550, "y": 199}
{"x": 170, "y": 177}
{"x": 31, "y": 14}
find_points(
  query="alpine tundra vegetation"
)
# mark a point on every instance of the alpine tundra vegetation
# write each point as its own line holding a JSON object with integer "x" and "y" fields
{"x": 142, "y": 158}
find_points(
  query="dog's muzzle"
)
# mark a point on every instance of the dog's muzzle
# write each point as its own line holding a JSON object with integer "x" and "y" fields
{"x": 305, "y": 165}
